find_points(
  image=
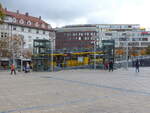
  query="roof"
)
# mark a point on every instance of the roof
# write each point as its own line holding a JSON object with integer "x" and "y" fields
{"x": 27, "y": 18}
{"x": 95, "y": 25}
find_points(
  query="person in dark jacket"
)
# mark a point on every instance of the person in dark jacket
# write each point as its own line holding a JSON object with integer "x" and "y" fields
{"x": 137, "y": 65}
{"x": 111, "y": 68}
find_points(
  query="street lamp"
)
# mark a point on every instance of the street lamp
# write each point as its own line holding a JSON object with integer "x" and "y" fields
{"x": 127, "y": 49}
{"x": 21, "y": 66}
{"x": 94, "y": 52}
{"x": 11, "y": 42}
{"x": 52, "y": 39}
{"x": 52, "y": 55}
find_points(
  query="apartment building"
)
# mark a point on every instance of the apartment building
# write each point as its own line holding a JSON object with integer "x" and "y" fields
{"x": 26, "y": 26}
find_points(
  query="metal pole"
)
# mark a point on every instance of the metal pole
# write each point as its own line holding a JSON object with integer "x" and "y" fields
{"x": 21, "y": 54}
{"x": 127, "y": 52}
{"x": 52, "y": 55}
{"x": 12, "y": 46}
{"x": 95, "y": 53}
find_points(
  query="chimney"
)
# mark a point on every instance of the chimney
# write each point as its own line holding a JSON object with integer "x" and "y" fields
{"x": 17, "y": 11}
{"x": 27, "y": 14}
{"x": 40, "y": 17}
{"x": 5, "y": 9}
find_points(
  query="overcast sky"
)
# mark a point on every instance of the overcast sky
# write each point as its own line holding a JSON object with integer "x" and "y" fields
{"x": 66, "y": 12}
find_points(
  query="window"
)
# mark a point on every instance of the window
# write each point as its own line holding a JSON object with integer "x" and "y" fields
{"x": 124, "y": 26}
{"x": 2, "y": 35}
{"x": 145, "y": 44}
{"x": 136, "y": 39}
{"x": 30, "y": 45}
{"x": 14, "y": 28}
{"x": 29, "y": 30}
{"x": 122, "y": 39}
{"x": 133, "y": 43}
{"x": 74, "y": 34}
{"x": 124, "y": 34}
{"x": 68, "y": 34}
{"x": 79, "y": 38}
{"x": 144, "y": 39}
{"x": 6, "y": 34}
{"x": 14, "y": 20}
{"x": 129, "y": 26}
{"x": 30, "y": 39}
{"x": 21, "y": 21}
{"x": 37, "y": 31}
{"x": 28, "y": 22}
{"x": 85, "y": 38}
{"x": 108, "y": 34}
{"x": 22, "y": 29}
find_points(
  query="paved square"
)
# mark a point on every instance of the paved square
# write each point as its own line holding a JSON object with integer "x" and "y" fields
{"x": 76, "y": 91}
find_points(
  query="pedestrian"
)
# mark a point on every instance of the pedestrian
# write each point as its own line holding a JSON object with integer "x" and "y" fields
{"x": 106, "y": 65}
{"x": 13, "y": 69}
{"x": 27, "y": 68}
{"x": 111, "y": 66}
{"x": 137, "y": 65}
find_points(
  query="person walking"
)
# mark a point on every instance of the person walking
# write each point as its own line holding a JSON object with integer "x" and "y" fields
{"x": 137, "y": 65}
{"x": 27, "y": 68}
{"x": 13, "y": 69}
{"x": 111, "y": 66}
{"x": 106, "y": 65}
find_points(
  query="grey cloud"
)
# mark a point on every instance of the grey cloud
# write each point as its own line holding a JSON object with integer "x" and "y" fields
{"x": 65, "y": 11}
{"x": 53, "y": 9}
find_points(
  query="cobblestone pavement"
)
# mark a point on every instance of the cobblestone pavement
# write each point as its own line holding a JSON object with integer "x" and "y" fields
{"x": 76, "y": 91}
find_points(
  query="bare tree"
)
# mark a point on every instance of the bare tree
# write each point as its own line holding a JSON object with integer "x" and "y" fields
{"x": 16, "y": 45}
{"x": 27, "y": 53}
{"x": 2, "y": 15}
{"x": 4, "y": 47}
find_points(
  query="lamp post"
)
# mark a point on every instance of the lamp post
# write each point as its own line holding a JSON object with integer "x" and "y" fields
{"x": 11, "y": 42}
{"x": 127, "y": 54}
{"x": 21, "y": 54}
{"x": 127, "y": 49}
{"x": 94, "y": 53}
{"x": 52, "y": 39}
{"x": 52, "y": 55}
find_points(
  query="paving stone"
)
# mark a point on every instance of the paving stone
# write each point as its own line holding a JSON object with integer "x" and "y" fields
{"x": 76, "y": 91}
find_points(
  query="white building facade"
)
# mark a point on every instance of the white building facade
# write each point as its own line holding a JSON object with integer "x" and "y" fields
{"x": 26, "y": 26}
{"x": 132, "y": 34}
